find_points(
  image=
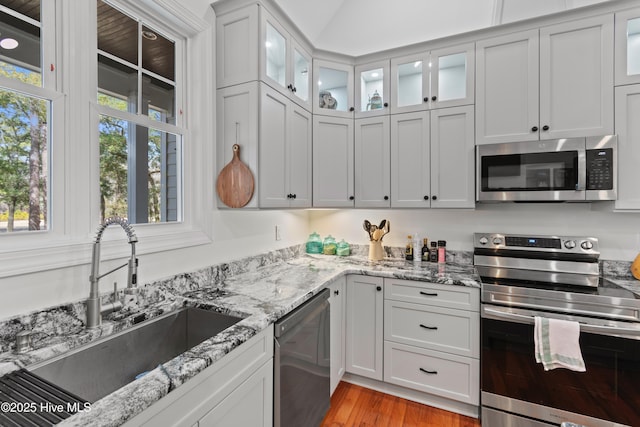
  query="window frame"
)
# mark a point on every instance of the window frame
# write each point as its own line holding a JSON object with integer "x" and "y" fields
{"x": 74, "y": 205}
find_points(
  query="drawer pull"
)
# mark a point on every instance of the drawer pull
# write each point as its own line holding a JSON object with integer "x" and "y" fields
{"x": 429, "y": 372}
{"x": 429, "y": 294}
{"x": 431, "y": 328}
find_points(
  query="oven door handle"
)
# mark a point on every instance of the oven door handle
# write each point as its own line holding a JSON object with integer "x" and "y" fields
{"x": 584, "y": 327}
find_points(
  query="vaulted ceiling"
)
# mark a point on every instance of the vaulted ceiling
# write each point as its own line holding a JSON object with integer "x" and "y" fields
{"x": 358, "y": 27}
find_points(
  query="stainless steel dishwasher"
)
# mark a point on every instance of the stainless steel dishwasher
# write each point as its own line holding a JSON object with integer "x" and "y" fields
{"x": 301, "y": 367}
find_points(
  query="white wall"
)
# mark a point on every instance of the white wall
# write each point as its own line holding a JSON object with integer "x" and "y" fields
{"x": 618, "y": 233}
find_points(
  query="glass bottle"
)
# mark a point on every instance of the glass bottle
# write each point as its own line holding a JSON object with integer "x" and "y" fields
{"x": 329, "y": 245}
{"x": 433, "y": 253}
{"x": 442, "y": 251}
{"x": 314, "y": 244}
{"x": 408, "y": 252}
{"x": 425, "y": 249}
{"x": 343, "y": 248}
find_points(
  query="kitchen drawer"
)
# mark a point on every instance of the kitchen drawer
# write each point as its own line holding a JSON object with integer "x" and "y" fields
{"x": 446, "y": 375}
{"x": 436, "y": 328}
{"x": 452, "y": 296}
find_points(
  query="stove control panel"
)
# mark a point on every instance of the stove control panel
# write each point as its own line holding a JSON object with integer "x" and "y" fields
{"x": 562, "y": 244}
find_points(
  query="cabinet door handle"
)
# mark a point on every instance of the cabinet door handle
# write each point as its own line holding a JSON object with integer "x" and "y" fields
{"x": 288, "y": 196}
{"x": 386, "y": 197}
{"x": 545, "y": 127}
{"x": 336, "y": 292}
{"x": 433, "y": 98}
{"x": 351, "y": 198}
{"x": 434, "y": 197}
{"x": 294, "y": 89}
{"x": 429, "y": 372}
{"x": 293, "y": 196}
{"x": 425, "y": 99}
{"x": 378, "y": 288}
{"x": 429, "y": 294}
{"x": 534, "y": 129}
{"x": 352, "y": 109}
{"x": 386, "y": 104}
{"x": 426, "y": 197}
{"x": 431, "y": 328}
{"x": 290, "y": 87}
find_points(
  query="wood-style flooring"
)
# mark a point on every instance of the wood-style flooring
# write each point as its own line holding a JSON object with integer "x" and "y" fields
{"x": 352, "y": 405}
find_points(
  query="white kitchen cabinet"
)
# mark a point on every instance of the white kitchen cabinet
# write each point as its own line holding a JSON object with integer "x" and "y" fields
{"x": 627, "y": 49}
{"x": 437, "y": 79}
{"x": 452, "y": 157}
{"x": 372, "y": 165}
{"x": 237, "y": 123}
{"x": 221, "y": 394}
{"x": 432, "y": 338}
{"x": 285, "y": 152}
{"x": 365, "y": 326}
{"x": 563, "y": 91}
{"x": 411, "y": 160}
{"x": 372, "y": 89}
{"x": 285, "y": 64}
{"x": 333, "y": 162}
{"x": 628, "y": 130}
{"x": 333, "y": 89}
{"x": 237, "y": 46}
{"x": 432, "y": 159}
{"x": 338, "y": 330}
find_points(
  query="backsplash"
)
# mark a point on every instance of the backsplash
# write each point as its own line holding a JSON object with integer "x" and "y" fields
{"x": 69, "y": 319}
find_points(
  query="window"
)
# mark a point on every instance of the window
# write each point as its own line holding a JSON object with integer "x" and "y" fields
{"x": 25, "y": 119}
{"x": 139, "y": 128}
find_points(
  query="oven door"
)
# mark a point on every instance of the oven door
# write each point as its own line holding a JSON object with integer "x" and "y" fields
{"x": 551, "y": 170}
{"x": 516, "y": 388}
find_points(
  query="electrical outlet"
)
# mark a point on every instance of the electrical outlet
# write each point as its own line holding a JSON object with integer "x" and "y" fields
{"x": 278, "y": 235}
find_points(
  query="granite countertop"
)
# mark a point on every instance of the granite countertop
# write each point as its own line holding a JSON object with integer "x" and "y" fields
{"x": 259, "y": 289}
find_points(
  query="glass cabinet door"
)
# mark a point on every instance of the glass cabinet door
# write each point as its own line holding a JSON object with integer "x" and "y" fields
{"x": 333, "y": 89}
{"x": 372, "y": 87}
{"x": 301, "y": 67}
{"x": 452, "y": 74}
{"x": 275, "y": 46}
{"x": 627, "y": 67}
{"x": 410, "y": 83}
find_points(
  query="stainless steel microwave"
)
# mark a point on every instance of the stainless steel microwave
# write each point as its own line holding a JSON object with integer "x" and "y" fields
{"x": 570, "y": 169}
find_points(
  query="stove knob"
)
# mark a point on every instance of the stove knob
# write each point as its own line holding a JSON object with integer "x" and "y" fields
{"x": 497, "y": 240}
{"x": 586, "y": 245}
{"x": 570, "y": 244}
{"x": 483, "y": 240}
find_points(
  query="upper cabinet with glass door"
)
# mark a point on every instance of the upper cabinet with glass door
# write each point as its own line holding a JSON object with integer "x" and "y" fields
{"x": 285, "y": 64}
{"x": 333, "y": 89}
{"x": 437, "y": 79}
{"x": 372, "y": 89}
{"x": 627, "y": 47}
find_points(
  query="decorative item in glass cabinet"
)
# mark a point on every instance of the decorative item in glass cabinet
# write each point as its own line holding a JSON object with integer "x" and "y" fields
{"x": 375, "y": 101}
{"x": 327, "y": 100}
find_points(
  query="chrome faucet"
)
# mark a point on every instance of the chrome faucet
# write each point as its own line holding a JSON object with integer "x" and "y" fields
{"x": 94, "y": 311}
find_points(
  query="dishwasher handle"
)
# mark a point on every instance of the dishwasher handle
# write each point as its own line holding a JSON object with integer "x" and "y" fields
{"x": 292, "y": 319}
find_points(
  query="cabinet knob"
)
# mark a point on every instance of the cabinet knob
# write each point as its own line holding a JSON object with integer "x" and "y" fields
{"x": 386, "y": 197}
{"x": 425, "y": 99}
{"x": 386, "y": 104}
{"x": 434, "y": 197}
{"x": 545, "y": 127}
{"x": 433, "y": 98}
{"x": 294, "y": 89}
{"x": 534, "y": 129}
{"x": 426, "y": 197}
{"x": 378, "y": 288}
{"x": 351, "y": 198}
{"x": 290, "y": 86}
{"x": 288, "y": 196}
{"x": 352, "y": 109}
{"x": 336, "y": 292}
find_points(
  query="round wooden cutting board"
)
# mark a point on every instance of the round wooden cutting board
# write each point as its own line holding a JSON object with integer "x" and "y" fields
{"x": 235, "y": 182}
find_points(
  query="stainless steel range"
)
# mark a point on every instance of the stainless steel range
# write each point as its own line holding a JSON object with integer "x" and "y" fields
{"x": 524, "y": 276}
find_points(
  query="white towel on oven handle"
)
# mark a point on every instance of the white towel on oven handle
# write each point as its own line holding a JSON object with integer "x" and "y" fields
{"x": 557, "y": 344}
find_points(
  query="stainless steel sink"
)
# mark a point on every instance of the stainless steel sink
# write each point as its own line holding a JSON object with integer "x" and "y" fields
{"x": 97, "y": 369}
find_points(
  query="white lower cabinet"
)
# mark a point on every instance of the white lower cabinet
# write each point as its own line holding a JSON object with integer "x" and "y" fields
{"x": 237, "y": 390}
{"x": 364, "y": 326}
{"x": 428, "y": 345}
{"x": 338, "y": 330}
